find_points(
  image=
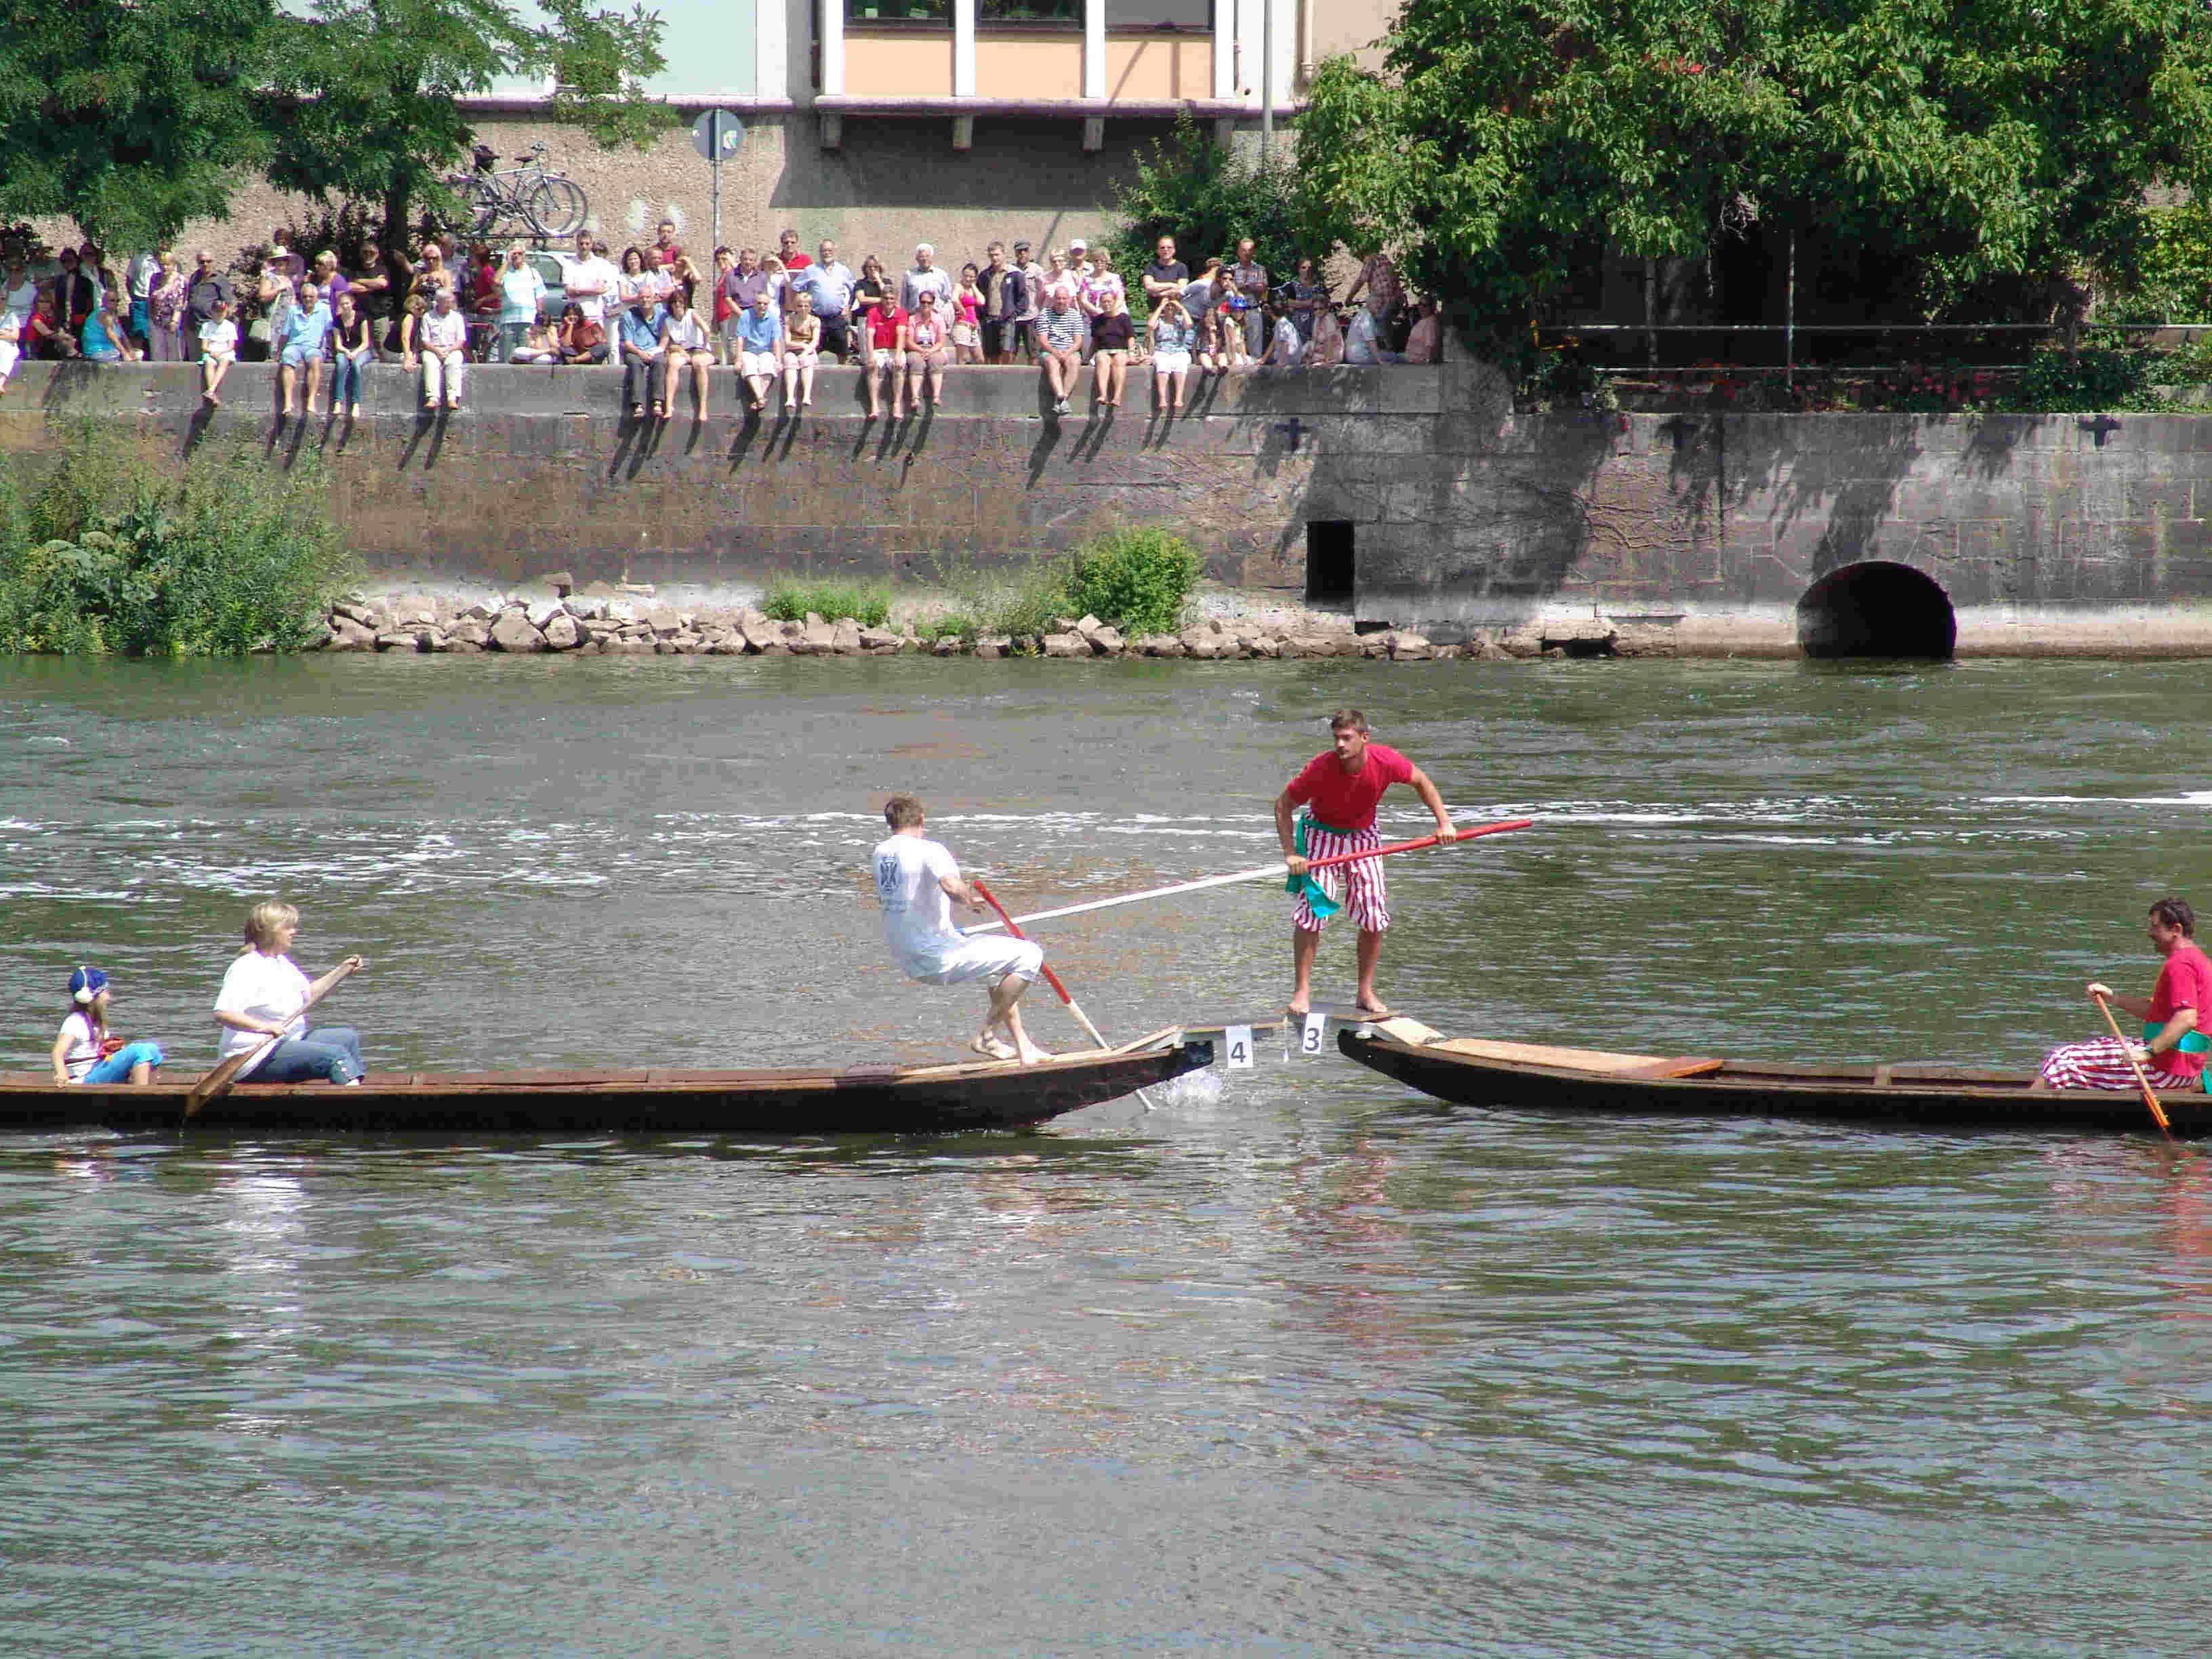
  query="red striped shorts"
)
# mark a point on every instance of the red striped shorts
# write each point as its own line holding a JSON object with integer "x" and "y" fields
{"x": 2101, "y": 1063}
{"x": 1360, "y": 887}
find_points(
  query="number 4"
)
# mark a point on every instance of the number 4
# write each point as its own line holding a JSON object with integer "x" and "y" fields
{"x": 1237, "y": 1039}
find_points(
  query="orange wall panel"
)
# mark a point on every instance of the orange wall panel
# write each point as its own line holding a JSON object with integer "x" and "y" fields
{"x": 1029, "y": 66}
{"x": 909, "y": 64}
{"x": 1157, "y": 67}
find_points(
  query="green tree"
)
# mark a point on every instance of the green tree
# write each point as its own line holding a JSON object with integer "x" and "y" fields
{"x": 362, "y": 106}
{"x": 1206, "y": 197}
{"x": 1505, "y": 140}
{"x": 129, "y": 119}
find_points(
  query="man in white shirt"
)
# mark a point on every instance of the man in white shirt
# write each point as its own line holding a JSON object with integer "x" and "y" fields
{"x": 829, "y": 281}
{"x": 925, "y": 276}
{"x": 916, "y": 880}
{"x": 592, "y": 280}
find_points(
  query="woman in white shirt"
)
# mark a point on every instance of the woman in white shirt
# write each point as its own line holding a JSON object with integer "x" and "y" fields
{"x": 684, "y": 338}
{"x": 264, "y": 996}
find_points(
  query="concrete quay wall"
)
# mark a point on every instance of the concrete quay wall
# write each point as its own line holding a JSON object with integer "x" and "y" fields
{"x": 1423, "y": 490}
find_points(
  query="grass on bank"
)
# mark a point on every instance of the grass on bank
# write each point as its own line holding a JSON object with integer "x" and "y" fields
{"x": 1139, "y": 581}
{"x": 101, "y": 553}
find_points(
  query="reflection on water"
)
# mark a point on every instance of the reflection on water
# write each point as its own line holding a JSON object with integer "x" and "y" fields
{"x": 1298, "y": 1363}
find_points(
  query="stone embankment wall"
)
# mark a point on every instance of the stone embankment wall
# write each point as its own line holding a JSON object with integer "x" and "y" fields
{"x": 1421, "y": 490}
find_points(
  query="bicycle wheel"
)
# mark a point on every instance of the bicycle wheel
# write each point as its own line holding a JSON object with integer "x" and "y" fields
{"x": 555, "y": 206}
{"x": 483, "y": 206}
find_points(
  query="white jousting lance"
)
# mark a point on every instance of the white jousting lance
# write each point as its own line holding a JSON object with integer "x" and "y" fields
{"x": 1264, "y": 873}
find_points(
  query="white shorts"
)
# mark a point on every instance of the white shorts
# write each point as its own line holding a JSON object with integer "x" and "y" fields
{"x": 886, "y": 358}
{"x": 1171, "y": 363}
{"x": 992, "y": 956}
{"x": 758, "y": 362}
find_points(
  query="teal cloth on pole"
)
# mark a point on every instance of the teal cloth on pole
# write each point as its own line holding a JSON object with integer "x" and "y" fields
{"x": 1317, "y": 900}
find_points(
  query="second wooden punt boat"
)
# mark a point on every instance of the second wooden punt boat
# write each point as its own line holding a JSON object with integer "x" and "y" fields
{"x": 1477, "y": 1072}
{"x": 876, "y": 1099}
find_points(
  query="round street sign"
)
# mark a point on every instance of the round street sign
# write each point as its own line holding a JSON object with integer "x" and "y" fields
{"x": 717, "y": 134}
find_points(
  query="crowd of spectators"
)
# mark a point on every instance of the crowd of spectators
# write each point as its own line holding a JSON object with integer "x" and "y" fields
{"x": 666, "y": 320}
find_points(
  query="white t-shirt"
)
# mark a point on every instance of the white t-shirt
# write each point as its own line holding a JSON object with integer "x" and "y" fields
{"x": 21, "y": 302}
{"x": 82, "y": 1052}
{"x": 595, "y": 273}
{"x": 1290, "y": 344}
{"x": 917, "y": 910}
{"x": 260, "y": 987}
{"x": 219, "y": 339}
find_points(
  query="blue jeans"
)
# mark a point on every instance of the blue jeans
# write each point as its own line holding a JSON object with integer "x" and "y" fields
{"x": 510, "y": 339}
{"x": 327, "y": 1051}
{"x": 345, "y": 383}
{"x": 116, "y": 1068}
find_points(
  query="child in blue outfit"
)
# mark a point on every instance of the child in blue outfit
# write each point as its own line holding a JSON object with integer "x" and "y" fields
{"x": 84, "y": 1052}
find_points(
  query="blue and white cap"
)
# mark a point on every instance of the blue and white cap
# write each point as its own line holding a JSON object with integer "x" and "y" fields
{"x": 85, "y": 984}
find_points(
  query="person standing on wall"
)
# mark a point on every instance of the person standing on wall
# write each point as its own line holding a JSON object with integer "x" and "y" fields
{"x": 1339, "y": 788}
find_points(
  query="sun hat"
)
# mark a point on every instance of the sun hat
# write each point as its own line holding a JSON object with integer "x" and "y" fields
{"x": 85, "y": 984}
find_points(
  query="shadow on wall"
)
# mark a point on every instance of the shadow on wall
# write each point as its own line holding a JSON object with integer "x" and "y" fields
{"x": 1876, "y": 608}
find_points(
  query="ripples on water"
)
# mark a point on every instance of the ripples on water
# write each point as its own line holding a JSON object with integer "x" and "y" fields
{"x": 1301, "y": 1363}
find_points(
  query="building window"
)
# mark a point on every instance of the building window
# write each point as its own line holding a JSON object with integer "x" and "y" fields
{"x": 1160, "y": 13}
{"x": 1060, "y": 14}
{"x": 899, "y": 11}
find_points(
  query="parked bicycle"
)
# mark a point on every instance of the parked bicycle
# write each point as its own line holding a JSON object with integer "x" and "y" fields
{"x": 547, "y": 203}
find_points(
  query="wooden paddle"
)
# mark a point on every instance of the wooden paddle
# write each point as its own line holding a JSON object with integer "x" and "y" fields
{"x": 1051, "y": 978}
{"x": 2149, "y": 1094}
{"x": 216, "y": 1084}
{"x": 1262, "y": 873}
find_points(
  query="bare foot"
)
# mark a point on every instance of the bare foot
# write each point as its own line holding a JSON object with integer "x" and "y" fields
{"x": 1375, "y": 1009}
{"x": 1300, "y": 1007}
{"x": 993, "y": 1049}
{"x": 1033, "y": 1056}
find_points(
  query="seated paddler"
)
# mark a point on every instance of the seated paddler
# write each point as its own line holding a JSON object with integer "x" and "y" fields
{"x": 916, "y": 880}
{"x": 84, "y": 1051}
{"x": 265, "y": 995}
{"x": 2173, "y": 1048}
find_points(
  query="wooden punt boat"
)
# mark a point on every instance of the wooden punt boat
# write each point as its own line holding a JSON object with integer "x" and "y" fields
{"x": 873, "y": 1099}
{"x": 1477, "y": 1071}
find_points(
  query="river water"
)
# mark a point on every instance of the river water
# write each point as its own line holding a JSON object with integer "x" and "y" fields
{"x": 1299, "y": 1364}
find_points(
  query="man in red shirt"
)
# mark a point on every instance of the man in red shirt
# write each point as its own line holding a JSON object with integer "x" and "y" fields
{"x": 1338, "y": 789}
{"x": 2174, "y": 1046}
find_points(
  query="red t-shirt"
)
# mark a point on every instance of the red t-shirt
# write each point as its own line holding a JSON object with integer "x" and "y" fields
{"x": 794, "y": 261}
{"x": 2185, "y": 981}
{"x": 883, "y": 325}
{"x": 1345, "y": 800}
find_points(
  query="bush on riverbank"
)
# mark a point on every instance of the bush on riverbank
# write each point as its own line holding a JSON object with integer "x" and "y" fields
{"x": 1139, "y": 581}
{"x": 101, "y": 554}
{"x": 790, "y": 601}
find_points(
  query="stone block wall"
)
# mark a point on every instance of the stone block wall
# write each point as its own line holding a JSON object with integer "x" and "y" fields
{"x": 2045, "y": 531}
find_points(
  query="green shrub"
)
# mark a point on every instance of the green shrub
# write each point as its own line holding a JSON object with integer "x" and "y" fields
{"x": 107, "y": 555}
{"x": 2096, "y": 377}
{"x": 790, "y": 601}
{"x": 1136, "y": 579}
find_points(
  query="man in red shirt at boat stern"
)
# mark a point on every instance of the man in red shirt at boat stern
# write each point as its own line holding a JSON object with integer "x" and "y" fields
{"x": 2174, "y": 1018}
{"x": 1338, "y": 789}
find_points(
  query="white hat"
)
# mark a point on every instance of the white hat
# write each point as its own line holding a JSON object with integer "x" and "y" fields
{"x": 1078, "y": 243}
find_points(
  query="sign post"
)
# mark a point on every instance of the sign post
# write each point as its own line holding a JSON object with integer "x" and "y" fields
{"x": 715, "y": 134}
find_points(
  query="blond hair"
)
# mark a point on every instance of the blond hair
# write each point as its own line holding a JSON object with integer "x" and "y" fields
{"x": 263, "y": 920}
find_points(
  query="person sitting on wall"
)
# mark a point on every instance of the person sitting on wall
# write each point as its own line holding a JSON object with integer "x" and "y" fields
{"x": 802, "y": 349}
{"x": 1286, "y": 347}
{"x": 645, "y": 359}
{"x": 1171, "y": 335}
{"x": 583, "y": 339}
{"x": 1425, "y": 340}
{"x": 442, "y": 339}
{"x": 760, "y": 347}
{"x": 886, "y": 358}
{"x": 1062, "y": 334}
{"x": 925, "y": 345}
{"x": 218, "y": 351}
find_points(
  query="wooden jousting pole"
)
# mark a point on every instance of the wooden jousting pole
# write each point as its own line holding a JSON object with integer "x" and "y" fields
{"x": 1261, "y": 873}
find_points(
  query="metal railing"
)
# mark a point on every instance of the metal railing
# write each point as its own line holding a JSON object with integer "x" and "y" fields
{"x": 1790, "y": 367}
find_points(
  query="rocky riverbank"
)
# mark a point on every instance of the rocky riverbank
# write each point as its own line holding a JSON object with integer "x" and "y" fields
{"x": 608, "y": 623}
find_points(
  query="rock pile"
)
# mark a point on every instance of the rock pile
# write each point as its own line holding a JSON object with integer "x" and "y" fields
{"x": 623, "y": 626}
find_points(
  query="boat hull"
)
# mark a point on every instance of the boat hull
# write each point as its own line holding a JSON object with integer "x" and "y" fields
{"x": 1899, "y": 1097}
{"x": 860, "y": 1100}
